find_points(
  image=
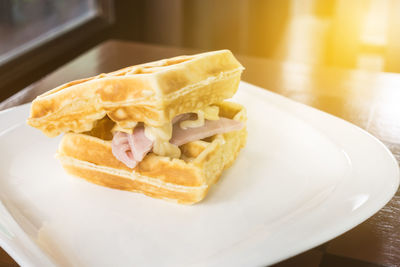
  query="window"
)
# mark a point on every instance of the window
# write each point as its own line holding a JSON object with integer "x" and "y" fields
{"x": 37, "y": 36}
{"x": 26, "y": 24}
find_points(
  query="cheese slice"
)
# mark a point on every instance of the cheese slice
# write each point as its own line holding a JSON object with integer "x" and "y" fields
{"x": 208, "y": 113}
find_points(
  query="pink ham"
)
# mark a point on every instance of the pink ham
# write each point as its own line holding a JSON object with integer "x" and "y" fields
{"x": 183, "y": 117}
{"x": 210, "y": 128}
{"x": 132, "y": 148}
{"x": 121, "y": 149}
{"x": 139, "y": 143}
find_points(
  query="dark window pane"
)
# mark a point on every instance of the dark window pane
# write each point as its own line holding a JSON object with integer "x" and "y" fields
{"x": 24, "y": 24}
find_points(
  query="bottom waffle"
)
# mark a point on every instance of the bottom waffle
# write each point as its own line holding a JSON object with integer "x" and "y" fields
{"x": 185, "y": 180}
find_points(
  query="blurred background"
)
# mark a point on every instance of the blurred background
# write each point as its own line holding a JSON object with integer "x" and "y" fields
{"x": 37, "y": 36}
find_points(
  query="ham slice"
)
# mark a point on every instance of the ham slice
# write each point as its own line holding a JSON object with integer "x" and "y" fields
{"x": 121, "y": 149}
{"x": 139, "y": 143}
{"x": 132, "y": 148}
{"x": 210, "y": 128}
{"x": 183, "y": 117}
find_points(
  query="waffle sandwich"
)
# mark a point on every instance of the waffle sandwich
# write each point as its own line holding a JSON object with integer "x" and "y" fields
{"x": 161, "y": 128}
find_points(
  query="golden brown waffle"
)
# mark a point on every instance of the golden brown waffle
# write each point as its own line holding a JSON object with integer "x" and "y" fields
{"x": 185, "y": 180}
{"x": 152, "y": 93}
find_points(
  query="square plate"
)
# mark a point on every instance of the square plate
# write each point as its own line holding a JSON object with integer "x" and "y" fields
{"x": 304, "y": 178}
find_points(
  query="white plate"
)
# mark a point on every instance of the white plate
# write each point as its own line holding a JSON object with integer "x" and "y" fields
{"x": 304, "y": 177}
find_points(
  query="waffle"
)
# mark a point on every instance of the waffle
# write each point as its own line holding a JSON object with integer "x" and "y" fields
{"x": 152, "y": 93}
{"x": 185, "y": 180}
{"x": 89, "y": 110}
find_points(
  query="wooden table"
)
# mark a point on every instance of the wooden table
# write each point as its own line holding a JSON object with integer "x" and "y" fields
{"x": 367, "y": 99}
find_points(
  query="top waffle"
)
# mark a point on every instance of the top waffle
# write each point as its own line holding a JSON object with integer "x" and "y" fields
{"x": 152, "y": 93}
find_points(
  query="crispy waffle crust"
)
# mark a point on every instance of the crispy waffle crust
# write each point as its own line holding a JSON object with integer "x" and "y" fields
{"x": 185, "y": 180}
{"x": 152, "y": 93}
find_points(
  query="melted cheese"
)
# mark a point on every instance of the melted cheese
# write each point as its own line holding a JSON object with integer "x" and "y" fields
{"x": 165, "y": 148}
{"x": 193, "y": 123}
{"x": 118, "y": 128}
{"x": 161, "y": 137}
{"x": 208, "y": 113}
{"x": 211, "y": 113}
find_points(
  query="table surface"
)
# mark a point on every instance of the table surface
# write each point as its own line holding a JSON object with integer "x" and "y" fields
{"x": 370, "y": 100}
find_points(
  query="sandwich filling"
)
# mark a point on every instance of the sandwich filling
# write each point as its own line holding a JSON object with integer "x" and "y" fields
{"x": 131, "y": 146}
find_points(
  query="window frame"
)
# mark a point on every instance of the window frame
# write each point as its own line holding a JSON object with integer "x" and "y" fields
{"x": 35, "y": 61}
